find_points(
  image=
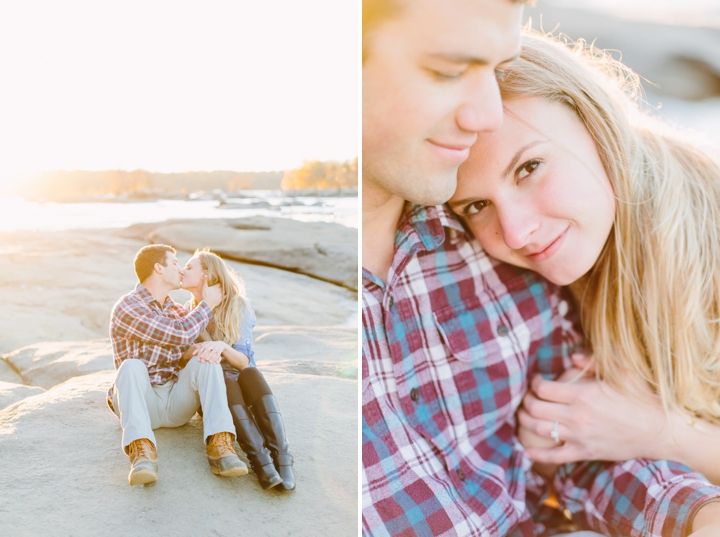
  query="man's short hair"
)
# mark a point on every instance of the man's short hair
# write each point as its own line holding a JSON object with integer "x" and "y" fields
{"x": 146, "y": 258}
{"x": 375, "y": 11}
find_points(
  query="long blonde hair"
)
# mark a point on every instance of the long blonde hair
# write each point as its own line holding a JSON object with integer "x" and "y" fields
{"x": 651, "y": 304}
{"x": 227, "y": 318}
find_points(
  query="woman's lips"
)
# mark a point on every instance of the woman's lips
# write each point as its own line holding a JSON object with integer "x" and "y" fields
{"x": 549, "y": 250}
{"x": 452, "y": 152}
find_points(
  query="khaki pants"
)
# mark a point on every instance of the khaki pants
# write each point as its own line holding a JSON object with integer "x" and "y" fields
{"x": 142, "y": 407}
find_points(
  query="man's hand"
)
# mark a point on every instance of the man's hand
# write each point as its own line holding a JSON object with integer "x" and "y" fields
{"x": 212, "y": 296}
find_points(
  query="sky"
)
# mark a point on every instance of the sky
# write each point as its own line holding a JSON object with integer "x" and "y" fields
{"x": 171, "y": 86}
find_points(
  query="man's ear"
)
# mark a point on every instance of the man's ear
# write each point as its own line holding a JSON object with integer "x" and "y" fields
{"x": 158, "y": 267}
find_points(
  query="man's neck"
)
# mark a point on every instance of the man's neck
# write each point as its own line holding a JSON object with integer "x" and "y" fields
{"x": 158, "y": 290}
{"x": 381, "y": 212}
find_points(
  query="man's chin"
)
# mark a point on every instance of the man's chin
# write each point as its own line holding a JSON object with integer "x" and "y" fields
{"x": 438, "y": 190}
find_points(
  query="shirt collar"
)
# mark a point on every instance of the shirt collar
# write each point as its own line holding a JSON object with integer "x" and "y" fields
{"x": 428, "y": 225}
{"x": 143, "y": 293}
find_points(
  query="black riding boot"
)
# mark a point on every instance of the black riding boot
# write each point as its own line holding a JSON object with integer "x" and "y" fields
{"x": 270, "y": 422}
{"x": 251, "y": 442}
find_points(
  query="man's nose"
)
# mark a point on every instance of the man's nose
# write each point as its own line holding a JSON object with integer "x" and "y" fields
{"x": 518, "y": 222}
{"x": 481, "y": 110}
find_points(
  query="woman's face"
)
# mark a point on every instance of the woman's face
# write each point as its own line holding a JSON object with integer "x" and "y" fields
{"x": 194, "y": 274}
{"x": 535, "y": 192}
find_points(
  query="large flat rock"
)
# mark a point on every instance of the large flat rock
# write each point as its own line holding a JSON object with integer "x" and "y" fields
{"x": 8, "y": 374}
{"x": 12, "y": 393}
{"x": 319, "y": 249}
{"x": 50, "y": 363}
{"x": 324, "y": 351}
{"x": 65, "y": 474}
{"x": 62, "y": 286}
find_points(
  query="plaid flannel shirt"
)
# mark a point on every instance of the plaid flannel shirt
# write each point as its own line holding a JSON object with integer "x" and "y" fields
{"x": 449, "y": 346}
{"x": 141, "y": 328}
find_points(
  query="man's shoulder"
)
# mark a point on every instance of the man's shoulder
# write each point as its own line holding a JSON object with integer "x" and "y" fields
{"x": 131, "y": 300}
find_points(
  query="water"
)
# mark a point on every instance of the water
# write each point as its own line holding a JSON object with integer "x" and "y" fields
{"x": 18, "y": 214}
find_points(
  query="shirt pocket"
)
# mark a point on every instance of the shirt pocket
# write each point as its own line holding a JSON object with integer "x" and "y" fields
{"x": 471, "y": 330}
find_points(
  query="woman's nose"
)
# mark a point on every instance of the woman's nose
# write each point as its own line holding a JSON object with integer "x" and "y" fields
{"x": 518, "y": 225}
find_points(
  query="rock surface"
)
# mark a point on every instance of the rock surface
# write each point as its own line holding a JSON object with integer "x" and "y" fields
{"x": 65, "y": 474}
{"x": 61, "y": 287}
{"x": 321, "y": 250}
{"x": 50, "y": 363}
{"x": 12, "y": 393}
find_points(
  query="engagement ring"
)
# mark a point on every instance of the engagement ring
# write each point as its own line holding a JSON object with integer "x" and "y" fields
{"x": 554, "y": 433}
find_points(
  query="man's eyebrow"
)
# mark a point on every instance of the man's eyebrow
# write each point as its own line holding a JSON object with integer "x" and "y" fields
{"x": 519, "y": 153}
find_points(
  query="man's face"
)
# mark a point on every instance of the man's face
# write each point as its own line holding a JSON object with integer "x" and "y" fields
{"x": 171, "y": 273}
{"x": 429, "y": 85}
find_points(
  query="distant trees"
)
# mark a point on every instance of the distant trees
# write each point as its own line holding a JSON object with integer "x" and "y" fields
{"x": 322, "y": 175}
{"x": 64, "y": 184}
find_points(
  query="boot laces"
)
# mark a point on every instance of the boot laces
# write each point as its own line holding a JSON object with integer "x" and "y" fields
{"x": 141, "y": 450}
{"x": 223, "y": 441}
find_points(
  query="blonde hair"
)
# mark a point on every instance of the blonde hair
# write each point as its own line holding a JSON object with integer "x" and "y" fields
{"x": 651, "y": 303}
{"x": 228, "y": 316}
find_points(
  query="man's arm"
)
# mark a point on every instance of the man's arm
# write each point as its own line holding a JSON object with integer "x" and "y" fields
{"x": 635, "y": 498}
{"x": 139, "y": 322}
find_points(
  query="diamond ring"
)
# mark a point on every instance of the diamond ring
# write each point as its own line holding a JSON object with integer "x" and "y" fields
{"x": 554, "y": 433}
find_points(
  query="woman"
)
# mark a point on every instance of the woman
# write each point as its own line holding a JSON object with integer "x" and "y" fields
{"x": 581, "y": 187}
{"x": 259, "y": 426}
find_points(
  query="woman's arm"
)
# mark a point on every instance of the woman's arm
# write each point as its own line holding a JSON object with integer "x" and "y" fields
{"x": 596, "y": 422}
{"x": 213, "y": 351}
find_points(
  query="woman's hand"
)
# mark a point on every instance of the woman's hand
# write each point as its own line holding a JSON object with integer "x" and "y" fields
{"x": 595, "y": 422}
{"x": 210, "y": 351}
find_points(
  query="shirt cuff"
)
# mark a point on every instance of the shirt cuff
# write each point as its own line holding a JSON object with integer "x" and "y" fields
{"x": 203, "y": 305}
{"x": 675, "y": 509}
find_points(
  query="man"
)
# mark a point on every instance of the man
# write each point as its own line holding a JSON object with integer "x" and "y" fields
{"x": 451, "y": 337}
{"x": 149, "y": 333}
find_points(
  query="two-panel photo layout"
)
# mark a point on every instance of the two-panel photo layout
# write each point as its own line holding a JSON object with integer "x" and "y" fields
{"x": 378, "y": 268}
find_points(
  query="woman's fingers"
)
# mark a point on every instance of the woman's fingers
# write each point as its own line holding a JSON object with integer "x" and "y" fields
{"x": 554, "y": 391}
{"x": 542, "y": 427}
{"x": 585, "y": 362}
{"x": 555, "y": 455}
{"x": 544, "y": 410}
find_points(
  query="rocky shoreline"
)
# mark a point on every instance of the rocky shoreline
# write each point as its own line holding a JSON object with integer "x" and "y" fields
{"x": 63, "y": 470}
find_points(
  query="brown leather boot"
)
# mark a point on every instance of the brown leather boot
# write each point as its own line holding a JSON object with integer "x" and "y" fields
{"x": 143, "y": 462}
{"x": 222, "y": 457}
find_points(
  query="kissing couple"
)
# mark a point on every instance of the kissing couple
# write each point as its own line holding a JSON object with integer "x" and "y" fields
{"x": 173, "y": 361}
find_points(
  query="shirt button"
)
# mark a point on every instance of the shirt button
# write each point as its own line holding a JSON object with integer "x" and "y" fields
{"x": 391, "y": 302}
{"x": 414, "y": 394}
{"x": 461, "y": 475}
{"x": 502, "y": 331}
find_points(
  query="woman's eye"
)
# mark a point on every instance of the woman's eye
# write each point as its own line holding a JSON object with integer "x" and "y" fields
{"x": 527, "y": 168}
{"x": 476, "y": 207}
{"x": 499, "y": 74}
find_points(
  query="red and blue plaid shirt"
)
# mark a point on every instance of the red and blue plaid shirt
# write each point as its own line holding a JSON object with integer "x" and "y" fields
{"x": 143, "y": 329}
{"x": 449, "y": 345}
